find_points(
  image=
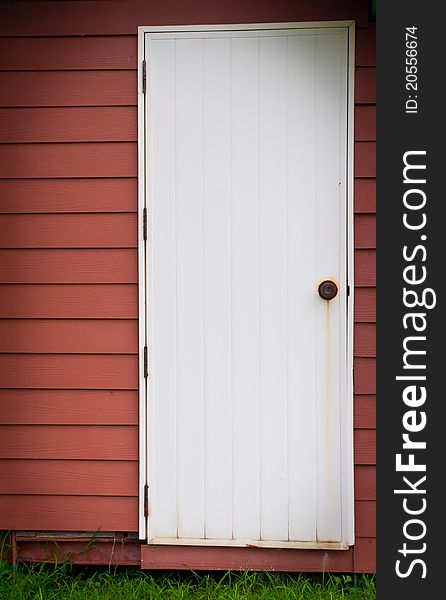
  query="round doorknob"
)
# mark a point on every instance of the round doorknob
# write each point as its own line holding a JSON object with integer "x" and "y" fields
{"x": 328, "y": 290}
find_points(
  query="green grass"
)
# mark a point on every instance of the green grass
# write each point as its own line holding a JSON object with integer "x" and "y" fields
{"x": 66, "y": 582}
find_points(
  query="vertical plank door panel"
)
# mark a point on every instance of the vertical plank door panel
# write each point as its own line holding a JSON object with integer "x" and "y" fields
{"x": 217, "y": 289}
{"x": 162, "y": 293}
{"x": 300, "y": 287}
{"x": 189, "y": 261}
{"x": 272, "y": 288}
{"x": 329, "y": 199}
{"x": 245, "y": 282}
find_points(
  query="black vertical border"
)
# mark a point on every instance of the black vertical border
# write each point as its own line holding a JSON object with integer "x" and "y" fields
{"x": 397, "y": 133}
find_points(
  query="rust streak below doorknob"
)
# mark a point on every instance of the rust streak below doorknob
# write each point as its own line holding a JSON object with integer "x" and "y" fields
{"x": 328, "y": 289}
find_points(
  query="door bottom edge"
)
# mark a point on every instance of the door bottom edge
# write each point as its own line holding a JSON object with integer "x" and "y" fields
{"x": 277, "y": 544}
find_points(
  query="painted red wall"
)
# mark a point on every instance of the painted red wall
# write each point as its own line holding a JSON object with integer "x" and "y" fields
{"x": 68, "y": 259}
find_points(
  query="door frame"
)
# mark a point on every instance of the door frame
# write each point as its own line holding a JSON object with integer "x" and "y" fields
{"x": 347, "y": 453}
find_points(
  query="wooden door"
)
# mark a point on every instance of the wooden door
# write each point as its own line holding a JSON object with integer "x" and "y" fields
{"x": 246, "y": 191}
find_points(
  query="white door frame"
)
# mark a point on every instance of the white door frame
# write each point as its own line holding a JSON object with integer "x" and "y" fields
{"x": 347, "y": 456}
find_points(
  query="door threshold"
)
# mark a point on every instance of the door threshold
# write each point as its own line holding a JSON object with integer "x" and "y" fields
{"x": 277, "y": 544}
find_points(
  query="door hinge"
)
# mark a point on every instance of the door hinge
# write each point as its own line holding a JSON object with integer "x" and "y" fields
{"x": 146, "y": 362}
{"x": 144, "y": 224}
{"x": 146, "y": 500}
{"x": 144, "y": 77}
{"x": 348, "y": 289}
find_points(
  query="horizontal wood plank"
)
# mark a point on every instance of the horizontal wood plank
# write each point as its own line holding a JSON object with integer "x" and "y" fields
{"x": 108, "y": 301}
{"x": 64, "y": 336}
{"x": 69, "y": 477}
{"x": 365, "y": 195}
{"x": 68, "y": 124}
{"x": 124, "y": 17}
{"x": 365, "y": 482}
{"x": 68, "y": 88}
{"x": 112, "y": 550}
{"x": 365, "y": 447}
{"x": 108, "y": 88}
{"x": 365, "y": 123}
{"x": 365, "y": 518}
{"x": 68, "y": 195}
{"x": 365, "y": 339}
{"x": 366, "y": 46}
{"x": 69, "y": 371}
{"x": 365, "y": 305}
{"x": 241, "y": 559}
{"x": 68, "y": 160}
{"x": 66, "y": 53}
{"x": 68, "y": 407}
{"x": 114, "y": 442}
{"x": 365, "y": 268}
{"x": 364, "y": 375}
{"x": 114, "y": 230}
{"x": 68, "y": 266}
{"x": 365, "y": 85}
{"x": 365, "y": 231}
{"x": 365, "y": 411}
{"x": 365, "y": 555}
{"x": 65, "y": 513}
{"x": 365, "y": 159}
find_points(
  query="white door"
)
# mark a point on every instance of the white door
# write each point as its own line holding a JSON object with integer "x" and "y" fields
{"x": 246, "y": 191}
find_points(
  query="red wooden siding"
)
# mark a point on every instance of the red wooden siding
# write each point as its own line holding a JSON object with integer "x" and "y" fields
{"x": 259, "y": 559}
{"x": 25, "y": 161}
{"x": 365, "y": 482}
{"x": 365, "y": 268}
{"x": 366, "y": 46}
{"x": 365, "y": 305}
{"x": 69, "y": 371}
{"x": 74, "y": 477}
{"x": 365, "y": 411}
{"x": 365, "y": 447}
{"x": 69, "y": 266}
{"x": 68, "y": 441}
{"x": 113, "y": 550}
{"x": 68, "y": 124}
{"x": 364, "y": 556}
{"x": 68, "y": 282}
{"x": 365, "y": 123}
{"x": 36, "y": 336}
{"x": 365, "y": 159}
{"x": 68, "y": 407}
{"x": 365, "y": 518}
{"x": 364, "y": 339}
{"x": 68, "y": 231}
{"x": 77, "y": 301}
{"x": 122, "y": 17}
{"x": 68, "y": 195}
{"x": 68, "y": 53}
{"x": 68, "y": 269}
{"x": 365, "y": 231}
{"x": 66, "y": 88}
{"x": 365, "y": 375}
{"x": 365, "y": 85}
{"x": 71, "y": 513}
{"x": 365, "y": 196}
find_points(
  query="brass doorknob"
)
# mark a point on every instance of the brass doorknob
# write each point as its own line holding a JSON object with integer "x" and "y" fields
{"x": 328, "y": 289}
